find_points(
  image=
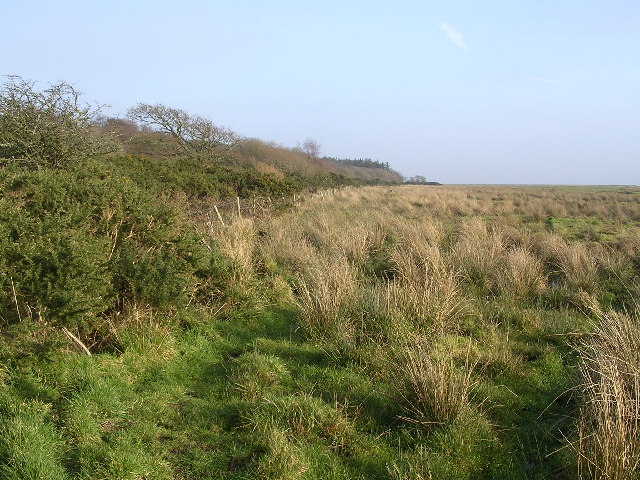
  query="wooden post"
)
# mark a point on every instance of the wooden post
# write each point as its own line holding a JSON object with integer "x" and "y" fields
{"x": 238, "y": 203}
{"x": 15, "y": 299}
{"x": 254, "y": 206}
{"x": 215, "y": 207}
{"x": 77, "y": 342}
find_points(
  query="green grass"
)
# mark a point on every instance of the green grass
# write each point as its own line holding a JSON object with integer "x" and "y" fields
{"x": 224, "y": 398}
{"x": 246, "y": 396}
{"x": 589, "y": 229}
{"x": 239, "y": 397}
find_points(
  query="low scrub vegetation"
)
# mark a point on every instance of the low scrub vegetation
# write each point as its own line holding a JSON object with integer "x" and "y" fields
{"x": 78, "y": 243}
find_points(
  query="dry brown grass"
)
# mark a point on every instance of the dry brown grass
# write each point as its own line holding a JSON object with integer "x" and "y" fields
{"x": 432, "y": 252}
{"x": 615, "y": 263}
{"x": 579, "y": 266}
{"x": 237, "y": 241}
{"x": 327, "y": 296}
{"x": 477, "y": 252}
{"x": 608, "y": 446}
{"x": 426, "y": 291}
{"x": 434, "y": 389}
{"x": 284, "y": 245}
{"x": 377, "y": 271}
{"x": 523, "y": 275}
{"x": 575, "y": 263}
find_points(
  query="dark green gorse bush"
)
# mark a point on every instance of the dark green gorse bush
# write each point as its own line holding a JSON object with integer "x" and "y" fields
{"x": 81, "y": 242}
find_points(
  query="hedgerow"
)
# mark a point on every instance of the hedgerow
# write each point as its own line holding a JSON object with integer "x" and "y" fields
{"x": 81, "y": 242}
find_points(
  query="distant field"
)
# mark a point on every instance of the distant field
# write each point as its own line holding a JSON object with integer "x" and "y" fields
{"x": 550, "y": 186}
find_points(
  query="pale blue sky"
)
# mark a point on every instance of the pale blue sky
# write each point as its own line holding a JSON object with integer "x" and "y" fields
{"x": 468, "y": 91}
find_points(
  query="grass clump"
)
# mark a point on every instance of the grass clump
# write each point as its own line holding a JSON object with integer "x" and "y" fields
{"x": 427, "y": 292}
{"x": 608, "y": 445}
{"x": 256, "y": 375}
{"x": 523, "y": 277}
{"x": 283, "y": 460}
{"x": 303, "y": 416}
{"x": 328, "y": 294}
{"x": 434, "y": 390}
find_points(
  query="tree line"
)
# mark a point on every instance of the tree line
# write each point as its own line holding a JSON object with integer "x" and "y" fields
{"x": 361, "y": 162}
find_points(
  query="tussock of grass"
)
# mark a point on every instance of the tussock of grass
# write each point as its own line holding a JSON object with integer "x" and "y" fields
{"x": 284, "y": 459}
{"x": 477, "y": 253}
{"x": 303, "y": 415}
{"x": 237, "y": 242}
{"x": 433, "y": 388}
{"x": 427, "y": 292}
{"x": 327, "y": 295}
{"x": 523, "y": 277}
{"x": 256, "y": 375}
{"x": 608, "y": 444}
{"x": 579, "y": 266}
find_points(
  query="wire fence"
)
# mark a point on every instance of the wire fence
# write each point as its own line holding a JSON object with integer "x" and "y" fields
{"x": 226, "y": 211}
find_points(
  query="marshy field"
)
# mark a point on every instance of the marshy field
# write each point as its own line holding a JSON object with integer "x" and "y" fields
{"x": 403, "y": 332}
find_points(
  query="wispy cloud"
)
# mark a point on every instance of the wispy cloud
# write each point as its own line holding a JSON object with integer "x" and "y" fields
{"x": 549, "y": 81}
{"x": 454, "y": 35}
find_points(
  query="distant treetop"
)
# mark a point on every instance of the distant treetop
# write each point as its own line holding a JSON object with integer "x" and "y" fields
{"x": 419, "y": 180}
{"x": 361, "y": 162}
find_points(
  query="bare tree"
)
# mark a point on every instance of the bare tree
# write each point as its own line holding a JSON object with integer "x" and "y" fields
{"x": 311, "y": 149}
{"x": 49, "y": 126}
{"x": 194, "y": 135}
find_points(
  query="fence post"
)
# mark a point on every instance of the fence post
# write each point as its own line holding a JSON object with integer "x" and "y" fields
{"x": 238, "y": 203}
{"x": 215, "y": 207}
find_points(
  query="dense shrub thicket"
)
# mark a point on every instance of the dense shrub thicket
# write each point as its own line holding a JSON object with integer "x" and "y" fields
{"x": 83, "y": 241}
{"x": 361, "y": 162}
{"x": 199, "y": 179}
